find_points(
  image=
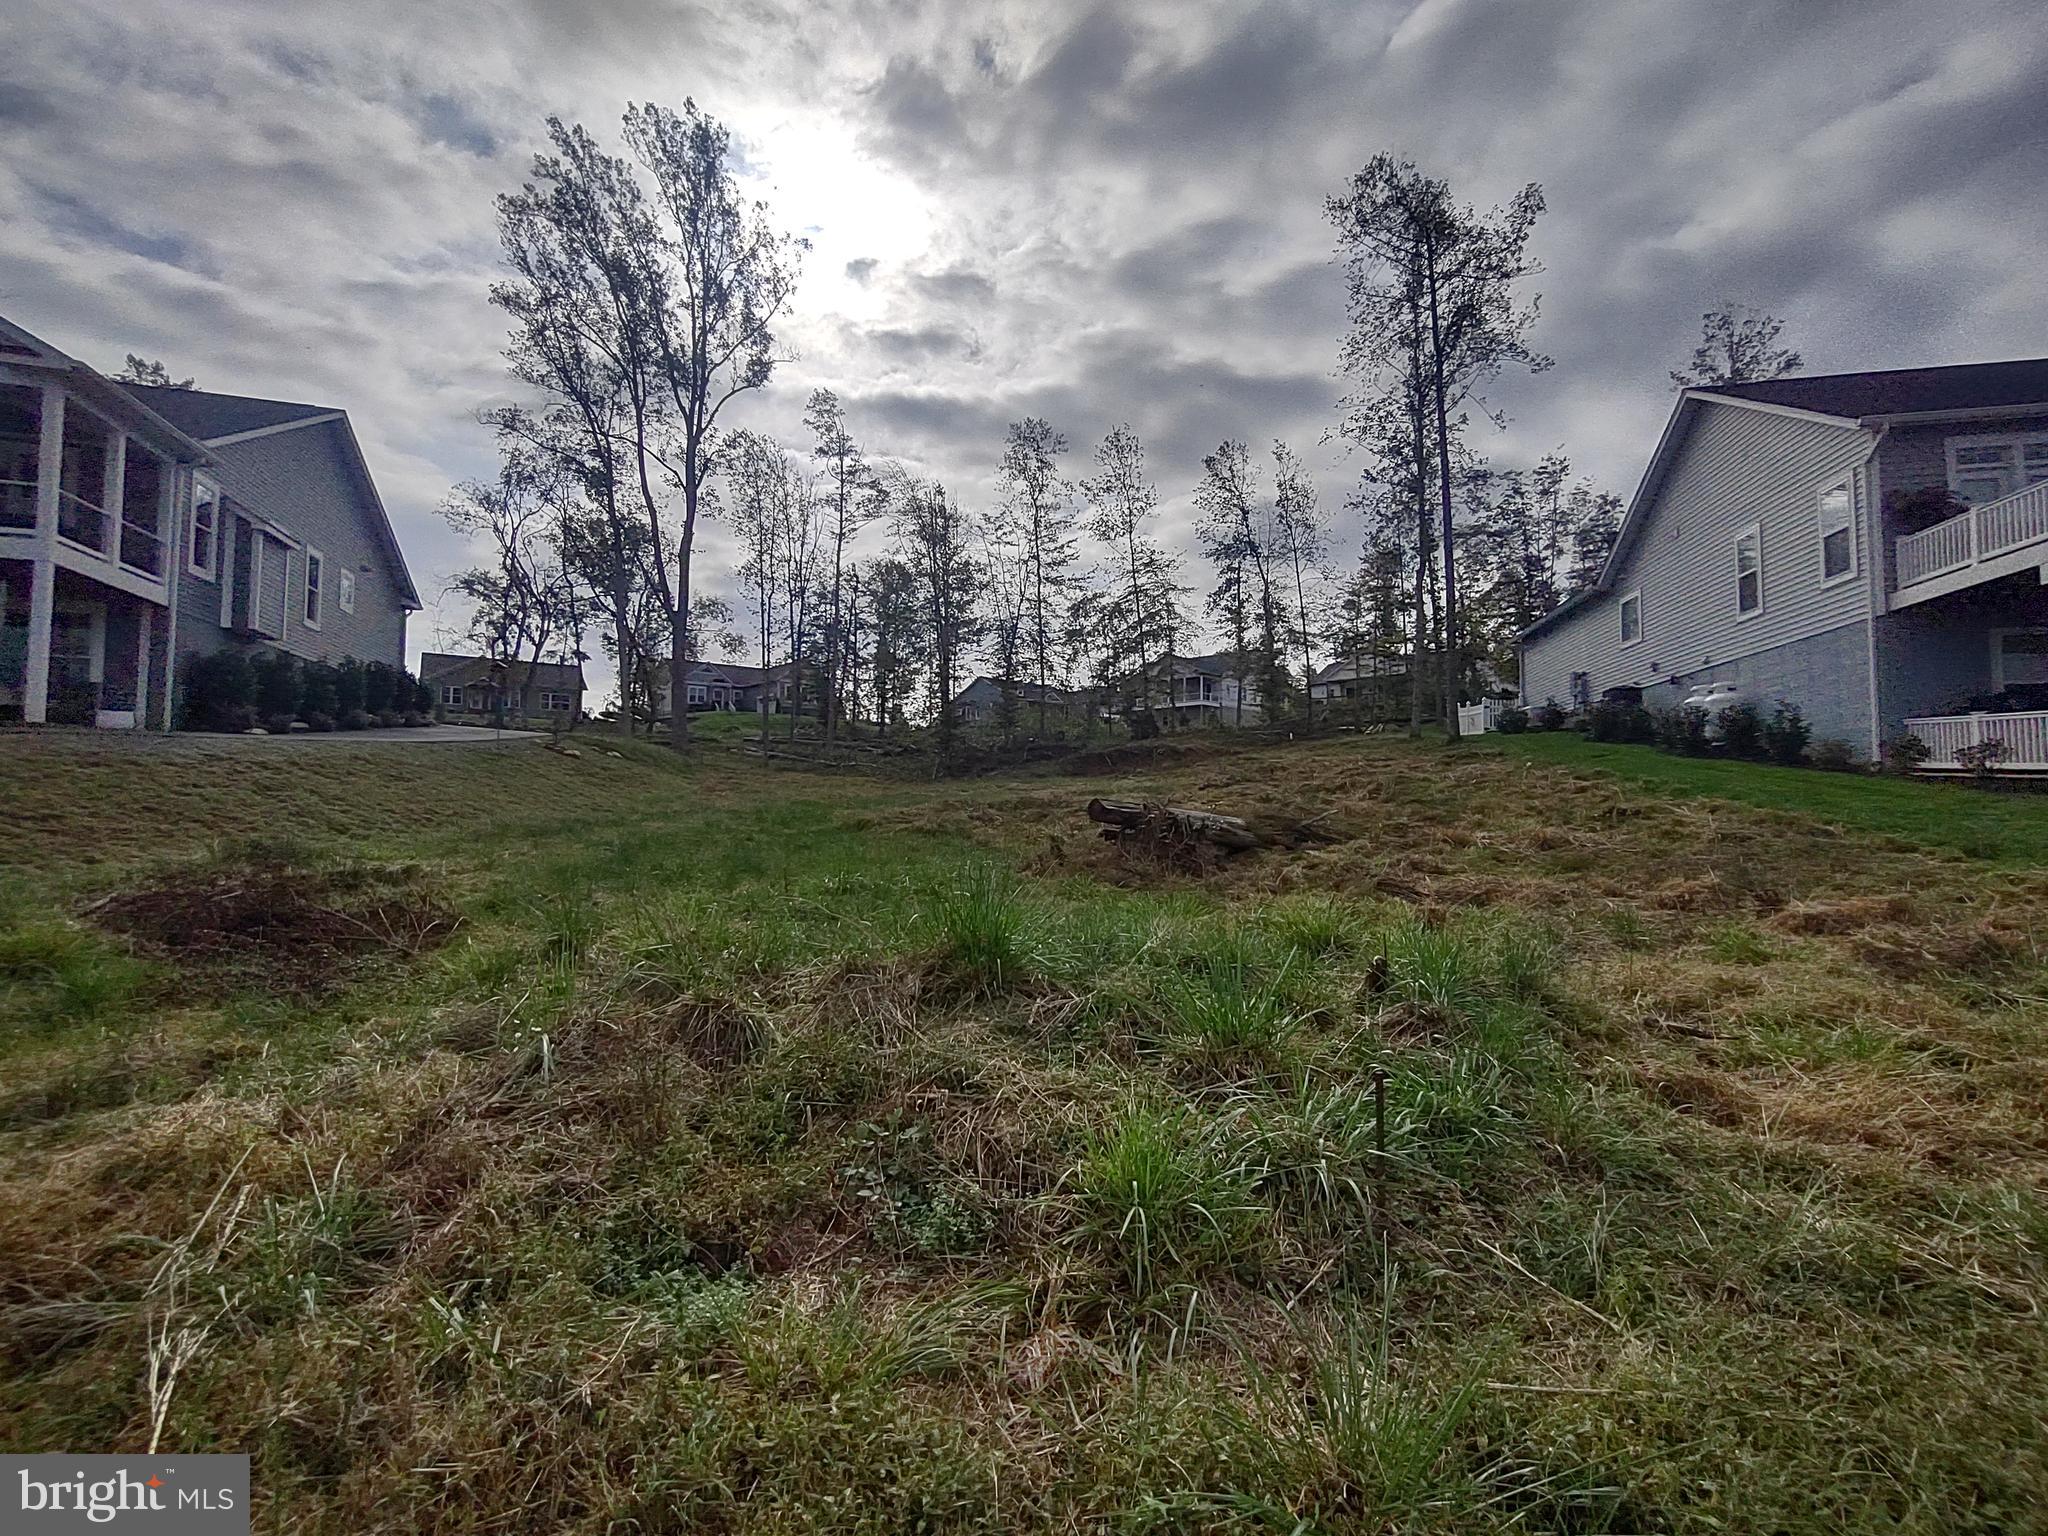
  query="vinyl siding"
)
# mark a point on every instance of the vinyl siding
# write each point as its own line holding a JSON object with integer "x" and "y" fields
{"x": 1915, "y": 456}
{"x": 303, "y": 481}
{"x": 1735, "y": 467}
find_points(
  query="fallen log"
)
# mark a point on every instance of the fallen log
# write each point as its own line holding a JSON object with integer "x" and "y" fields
{"x": 1172, "y": 824}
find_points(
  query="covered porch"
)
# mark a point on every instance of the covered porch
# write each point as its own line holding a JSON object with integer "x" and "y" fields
{"x": 89, "y": 495}
{"x": 2015, "y": 741}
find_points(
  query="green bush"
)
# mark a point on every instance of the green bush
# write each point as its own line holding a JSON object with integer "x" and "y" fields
{"x": 1906, "y": 753}
{"x": 220, "y": 692}
{"x": 380, "y": 688}
{"x": 1742, "y": 731}
{"x": 1547, "y": 716}
{"x": 279, "y": 686}
{"x": 1512, "y": 721}
{"x": 349, "y": 693}
{"x": 1834, "y": 755}
{"x": 319, "y": 698}
{"x": 1786, "y": 734}
{"x": 1682, "y": 730}
{"x": 1619, "y": 720}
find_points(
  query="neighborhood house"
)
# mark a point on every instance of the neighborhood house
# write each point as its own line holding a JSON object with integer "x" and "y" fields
{"x": 1871, "y": 547}
{"x": 478, "y": 690}
{"x": 141, "y": 526}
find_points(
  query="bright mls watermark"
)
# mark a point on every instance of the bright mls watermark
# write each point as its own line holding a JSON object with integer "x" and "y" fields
{"x": 174, "y": 1495}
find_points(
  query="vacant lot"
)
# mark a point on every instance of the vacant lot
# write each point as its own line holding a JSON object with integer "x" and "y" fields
{"x": 490, "y": 1140}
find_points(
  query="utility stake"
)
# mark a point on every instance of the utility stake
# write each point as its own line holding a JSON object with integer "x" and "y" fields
{"x": 1379, "y": 1105}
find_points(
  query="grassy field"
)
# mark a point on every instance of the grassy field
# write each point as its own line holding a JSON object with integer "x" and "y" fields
{"x": 492, "y": 1140}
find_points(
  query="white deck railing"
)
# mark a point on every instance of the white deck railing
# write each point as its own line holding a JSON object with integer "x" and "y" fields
{"x": 1975, "y": 535}
{"x": 2025, "y": 735}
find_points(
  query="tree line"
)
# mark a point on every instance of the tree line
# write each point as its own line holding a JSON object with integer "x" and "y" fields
{"x": 644, "y": 291}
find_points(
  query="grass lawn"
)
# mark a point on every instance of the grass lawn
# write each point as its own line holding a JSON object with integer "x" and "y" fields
{"x": 493, "y": 1140}
{"x": 2003, "y": 827}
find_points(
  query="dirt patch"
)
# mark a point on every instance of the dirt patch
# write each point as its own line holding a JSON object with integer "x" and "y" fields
{"x": 1843, "y": 916}
{"x": 279, "y": 926}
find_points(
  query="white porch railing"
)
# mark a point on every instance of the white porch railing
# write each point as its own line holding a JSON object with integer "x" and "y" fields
{"x": 2025, "y": 735}
{"x": 1975, "y": 535}
{"x": 1478, "y": 719}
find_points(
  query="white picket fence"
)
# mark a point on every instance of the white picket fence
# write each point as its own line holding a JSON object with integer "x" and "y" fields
{"x": 2025, "y": 735}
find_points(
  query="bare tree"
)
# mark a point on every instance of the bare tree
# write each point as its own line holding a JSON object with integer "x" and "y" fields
{"x": 1234, "y": 534}
{"x": 1432, "y": 296}
{"x": 1300, "y": 542}
{"x": 851, "y": 496}
{"x": 143, "y": 370}
{"x": 1042, "y": 506}
{"x": 1140, "y": 614}
{"x": 760, "y": 515}
{"x": 932, "y": 539}
{"x": 1738, "y": 343}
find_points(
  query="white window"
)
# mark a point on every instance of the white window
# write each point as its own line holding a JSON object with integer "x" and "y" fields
{"x": 2019, "y": 657}
{"x": 553, "y": 703}
{"x": 316, "y": 573}
{"x": 1632, "y": 618}
{"x": 696, "y": 693}
{"x": 451, "y": 695}
{"x": 1749, "y": 571}
{"x": 1837, "y": 534}
{"x": 203, "y": 560}
{"x": 1982, "y": 469}
{"x": 345, "y": 590}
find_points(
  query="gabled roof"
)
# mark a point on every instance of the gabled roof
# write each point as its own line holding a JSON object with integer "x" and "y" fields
{"x": 209, "y": 417}
{"x": 222, "y": 420}
{"x": 730, "y": 671}
{"x": 445, "y": 667}
{"x": 19, "y": 346}
{"x": 1904, "y": 391}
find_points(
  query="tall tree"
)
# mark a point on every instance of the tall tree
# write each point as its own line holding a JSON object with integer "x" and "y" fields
{"x": 1139, "y": 616}
{"x": 849, "y": 491}
{"x": 1738, "y": 343}
{"x": 1234, "y": 534}
{"x": 1041, "y": 507}
{"x": 1596, "y": 524}
{"x": 1432, "y": 295}
{"x": 897, "y": 639}
{"x": 1300, "y": 541}
{"x": 758, "y": 475}
{"x": 932, "y": 541}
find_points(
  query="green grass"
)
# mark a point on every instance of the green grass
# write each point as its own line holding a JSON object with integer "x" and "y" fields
{"x": 775, "y": 1151}
{"x": 1995, "y": 826}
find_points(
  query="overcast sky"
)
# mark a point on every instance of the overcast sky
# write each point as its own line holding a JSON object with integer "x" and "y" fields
{"x": 1094, "y": 214}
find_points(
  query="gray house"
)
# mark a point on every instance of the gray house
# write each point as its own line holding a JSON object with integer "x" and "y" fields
{"x": 140, "y": 526}
{"x": 1870, "y": 546}
{"x": 1203, "y": 690}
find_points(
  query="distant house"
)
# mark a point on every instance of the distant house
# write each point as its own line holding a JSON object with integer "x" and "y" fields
{"x": 141, "y": 526}
{"x": 1373, "y": 681}
{"x": 477, "y": 690}
{"x": 1871, "y": 547}
{"x": 725, "y": 685}
{"x": 980, "y": 702}
{"x": 1202, "y": 690}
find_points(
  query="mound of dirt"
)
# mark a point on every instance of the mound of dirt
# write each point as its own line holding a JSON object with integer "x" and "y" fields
{"x": 281, "y": 926}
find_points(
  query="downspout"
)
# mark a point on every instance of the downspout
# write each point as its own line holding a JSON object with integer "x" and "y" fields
{"x": 1873, "y": 523}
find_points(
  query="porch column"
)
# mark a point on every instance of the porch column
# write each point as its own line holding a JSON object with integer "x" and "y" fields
{"x": 144, "y": 612}
{"x": 42, "y": 589}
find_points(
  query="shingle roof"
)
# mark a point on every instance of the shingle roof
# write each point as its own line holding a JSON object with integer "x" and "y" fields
{"x": 1905, "y": 391}
{"x": 444, "y": 667}
{"x": 202, "y": 414}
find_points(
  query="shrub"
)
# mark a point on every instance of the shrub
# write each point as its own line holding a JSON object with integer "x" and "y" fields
{"x": 1982, "y": 758}
{"x": 387, "y": 718}
{"x": 1834, "y": 755}
{"x": 355, "y": 720}
{"x": 1682, "y": 730}
{"x": 1906, "y": 753}
{"x": 1786, "y": 734}
{"x": 279, "y": 725}
{"x": 1547, "y": 716}
{"x": 1512, "y": 721}
{"x": 1742, "y": 731}
{"x": 1618, "y": 720}
{"x": 220, "y": 692}
{"x": 318, "y": 696}
{"x": 348, "y": 690}
{"x": 279, "y": 685}
{"x": 422, "y": 694}
{"x": 414, "y": 717}
{"x": 380, "y": 688}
